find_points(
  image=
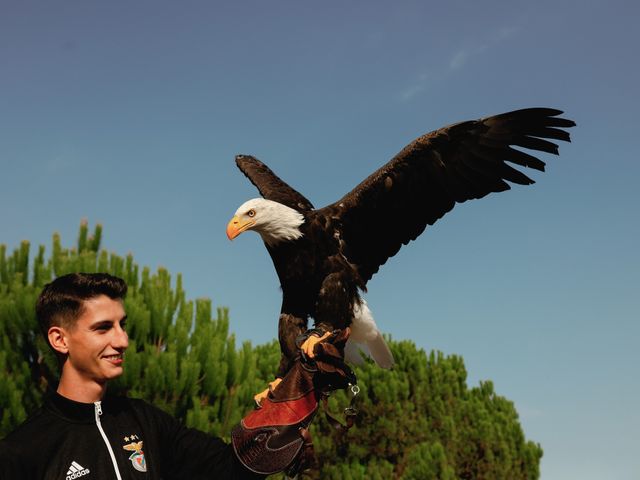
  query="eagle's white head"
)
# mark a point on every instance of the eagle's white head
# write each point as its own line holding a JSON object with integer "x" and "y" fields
{"x": 274, "y": 221}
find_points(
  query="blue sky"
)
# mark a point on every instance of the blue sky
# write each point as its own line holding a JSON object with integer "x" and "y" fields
{"x": 130, "y": 114}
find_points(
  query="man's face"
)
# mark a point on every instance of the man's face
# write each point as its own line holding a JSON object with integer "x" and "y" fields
{"x": 97, "y": 342}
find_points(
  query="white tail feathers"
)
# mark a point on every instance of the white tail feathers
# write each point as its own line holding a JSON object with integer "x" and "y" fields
{"x": 366, "y": 338}
{"x": 380, "y": 352}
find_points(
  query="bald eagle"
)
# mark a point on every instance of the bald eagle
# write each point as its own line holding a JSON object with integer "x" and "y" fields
{"x": 325, "y": 257}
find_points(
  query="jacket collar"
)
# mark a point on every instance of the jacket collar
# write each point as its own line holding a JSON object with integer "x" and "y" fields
{"x": 70, "y": 409}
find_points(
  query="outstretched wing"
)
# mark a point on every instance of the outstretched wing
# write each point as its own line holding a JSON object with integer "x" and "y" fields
{"x": 270, "y": 185}
{"x": 434, "y": 172}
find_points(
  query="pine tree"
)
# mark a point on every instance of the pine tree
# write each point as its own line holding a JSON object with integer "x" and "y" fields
{"x": 421, "y": 421}
{"x": 417, "y": 421}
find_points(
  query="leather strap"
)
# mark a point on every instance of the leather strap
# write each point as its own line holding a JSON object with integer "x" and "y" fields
{"x": 350, "y": 413}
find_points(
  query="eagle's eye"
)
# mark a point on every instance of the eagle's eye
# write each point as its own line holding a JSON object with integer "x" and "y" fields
{"x": 251, "y": 213}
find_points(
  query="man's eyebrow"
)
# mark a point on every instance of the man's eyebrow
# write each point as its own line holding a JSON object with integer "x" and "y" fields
{"x": 100, "y": 323}
{"x": 107, "y": 321}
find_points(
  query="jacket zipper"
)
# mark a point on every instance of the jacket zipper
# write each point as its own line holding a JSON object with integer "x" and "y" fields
{"x": 98, "y": 406}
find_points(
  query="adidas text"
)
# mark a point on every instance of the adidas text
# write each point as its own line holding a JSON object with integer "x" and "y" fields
{"x": 76, "y": 471}
{"x": 79, "y": 474}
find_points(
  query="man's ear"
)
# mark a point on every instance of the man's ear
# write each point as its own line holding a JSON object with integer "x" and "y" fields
{"x": 58, "y": 339}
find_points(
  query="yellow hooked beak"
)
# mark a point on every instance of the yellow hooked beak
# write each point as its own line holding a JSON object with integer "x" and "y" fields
{"x": 237, "y": 225}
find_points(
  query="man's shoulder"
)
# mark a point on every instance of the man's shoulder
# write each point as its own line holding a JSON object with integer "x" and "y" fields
{"x": 27, "y": 438}
{"x": 34, "y": 424}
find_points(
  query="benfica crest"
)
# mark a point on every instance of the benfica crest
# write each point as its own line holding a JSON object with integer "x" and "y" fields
{"x": 137, "y": 457}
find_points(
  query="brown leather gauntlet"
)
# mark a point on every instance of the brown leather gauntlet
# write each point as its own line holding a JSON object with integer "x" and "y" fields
{"x": 275, "y": 437}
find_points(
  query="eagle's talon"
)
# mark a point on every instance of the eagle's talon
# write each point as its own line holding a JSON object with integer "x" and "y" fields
{"x": 309, "y": 344}
{"x": 259, "y": 397}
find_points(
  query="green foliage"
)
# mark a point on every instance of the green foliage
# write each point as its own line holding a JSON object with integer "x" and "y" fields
{"x": 421, "y": 420}
{"x": 417, "y": 421}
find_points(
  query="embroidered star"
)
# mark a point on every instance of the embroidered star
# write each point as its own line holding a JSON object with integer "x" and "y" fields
{"x": 126, "y": 439}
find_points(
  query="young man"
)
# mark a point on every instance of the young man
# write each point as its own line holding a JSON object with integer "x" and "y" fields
{"x": 81, "y": 433}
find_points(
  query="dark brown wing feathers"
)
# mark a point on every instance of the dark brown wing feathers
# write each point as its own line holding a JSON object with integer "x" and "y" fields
{"x": 429, "y": 176}
{"x": 425, "y": 180}
{"x": 270, "y": 185}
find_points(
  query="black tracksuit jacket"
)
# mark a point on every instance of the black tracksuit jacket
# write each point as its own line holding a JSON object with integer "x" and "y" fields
{"x": 118, "y": 438}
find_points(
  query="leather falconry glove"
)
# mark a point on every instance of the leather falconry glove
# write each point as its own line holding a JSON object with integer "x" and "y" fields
{"x": 275, "y": 437}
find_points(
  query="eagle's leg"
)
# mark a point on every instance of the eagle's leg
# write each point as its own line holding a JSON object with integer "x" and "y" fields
{"x": 334, "y": 307}
{"x": 289, "y": 328}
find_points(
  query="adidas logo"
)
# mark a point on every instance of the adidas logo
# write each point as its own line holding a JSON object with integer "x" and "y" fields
{"x": 76, "y": 471}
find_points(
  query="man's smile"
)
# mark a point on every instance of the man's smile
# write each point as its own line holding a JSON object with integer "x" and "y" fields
{"x": 116, "y": 359}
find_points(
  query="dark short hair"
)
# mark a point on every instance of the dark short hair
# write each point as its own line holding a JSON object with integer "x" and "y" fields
{"x": 61, "y": 302}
